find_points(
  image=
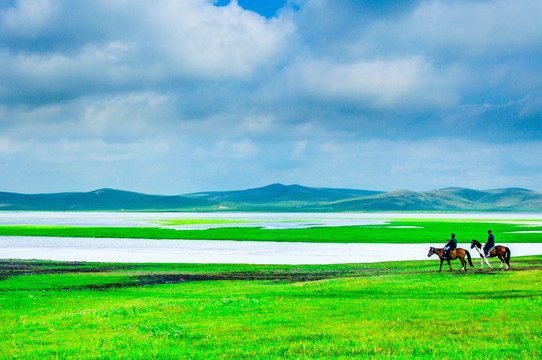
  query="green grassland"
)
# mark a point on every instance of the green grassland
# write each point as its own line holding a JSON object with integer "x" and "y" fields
{"x": 390, "y": 310}
{"x": 416, "y": 231}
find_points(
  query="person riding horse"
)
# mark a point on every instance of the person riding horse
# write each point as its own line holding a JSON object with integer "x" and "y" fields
{"x": 451, "y": 244}
{"x": 458, "y": 253}
{"x": 490, "y": 244}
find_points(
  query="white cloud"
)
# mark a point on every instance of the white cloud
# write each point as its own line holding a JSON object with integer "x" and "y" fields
{"x": 299, "y": 148}
{"x": 134, "y": 45}
{"x": 122, "y": 118}
{"x": 126, "y": 117}
{"x": 28, "y": 17}
{"x": 180, "y": 91}
{"x": 9, "y": 147}
{"x": 256, "y": 124}
{"x": 201, "y": 40}
{"x": 63, "y": 152}
{"x": 423, "y": 165}
{"x": 91, "y": 70}
{"x": 473, "y": 28}
{"x": 235, "y": 149}
{"x": 404, "y": 83}
{"x": 435, "y": 54}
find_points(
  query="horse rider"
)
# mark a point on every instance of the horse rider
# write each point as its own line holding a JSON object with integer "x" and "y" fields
{"x": 490, "y": 244}
{"x": 450, "y": 245}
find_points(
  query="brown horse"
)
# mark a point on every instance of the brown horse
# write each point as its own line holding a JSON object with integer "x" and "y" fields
{"x": 502, "y": 252}
{"x": 454, "y": 254}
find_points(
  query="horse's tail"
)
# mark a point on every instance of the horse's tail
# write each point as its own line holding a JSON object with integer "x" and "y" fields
{"x": 469, "y": 258}
{"x": 507, "y": 256}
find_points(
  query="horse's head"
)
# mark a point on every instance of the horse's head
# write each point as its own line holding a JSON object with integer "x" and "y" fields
{"x": 474, "y": 244}
{"x": 431, "y": 251}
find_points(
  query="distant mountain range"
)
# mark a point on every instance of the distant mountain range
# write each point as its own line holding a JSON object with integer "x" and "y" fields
{"x": 278, "y": 197}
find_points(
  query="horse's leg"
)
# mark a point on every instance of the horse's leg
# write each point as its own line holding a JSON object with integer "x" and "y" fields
{"x": 450, "y": 266}
{"x": 487, "y": 262}
{"x": 481, "y": 258}
{"x": 502, "y": 262}
{"x": 482, "y": 251}
{"x": 441, "y": 261}
{"x": 463, "y": 264}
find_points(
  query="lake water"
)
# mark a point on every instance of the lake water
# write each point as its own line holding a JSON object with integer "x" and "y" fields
{"x": 250, "y": 252}
{"x": 230, "y": 252}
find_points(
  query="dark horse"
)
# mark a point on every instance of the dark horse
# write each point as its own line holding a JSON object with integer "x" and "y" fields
{"x": 454, "y": 254}
{"x": 502, "y": 252}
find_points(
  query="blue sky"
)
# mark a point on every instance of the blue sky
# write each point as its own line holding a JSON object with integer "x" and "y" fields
{"x": 172, "y": 97}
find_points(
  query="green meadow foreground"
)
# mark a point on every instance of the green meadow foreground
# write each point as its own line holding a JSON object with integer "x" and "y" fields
{"x": 390, "y": 310}
{"x": 383, "y": 311}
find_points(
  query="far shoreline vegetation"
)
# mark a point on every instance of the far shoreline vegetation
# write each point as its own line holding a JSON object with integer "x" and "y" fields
{"x": 397, "y": 231}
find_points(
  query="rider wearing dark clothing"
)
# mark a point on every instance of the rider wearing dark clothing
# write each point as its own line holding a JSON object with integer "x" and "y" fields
{"x": 489, "y": 244}
{"x": 450, "y": 245}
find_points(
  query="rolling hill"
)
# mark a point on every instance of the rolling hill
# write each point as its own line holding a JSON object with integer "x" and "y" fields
{"x": 449, "y": 199}
{"x": 278, "y": 193}
{"x": 103, "y": 199}
{"x": 278, "y": 197}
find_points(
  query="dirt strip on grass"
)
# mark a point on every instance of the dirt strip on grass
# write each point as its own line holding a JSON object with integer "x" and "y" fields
{"x": 28, "y": 268}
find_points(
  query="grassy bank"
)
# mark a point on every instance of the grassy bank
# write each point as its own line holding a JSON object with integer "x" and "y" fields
{"x": 383, "y": 311}
{"x": 403, "y": 231}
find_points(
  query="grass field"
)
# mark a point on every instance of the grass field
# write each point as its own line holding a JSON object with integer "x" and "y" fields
{"x": 391, "y": 310}
{"x": 397, "y": 310}
{"x": 398, "y": 231}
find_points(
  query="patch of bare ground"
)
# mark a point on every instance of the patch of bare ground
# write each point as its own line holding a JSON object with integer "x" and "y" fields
{"x": 12, "y": 268}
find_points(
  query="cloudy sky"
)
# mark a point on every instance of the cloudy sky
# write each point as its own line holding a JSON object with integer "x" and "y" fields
{"x": 179, "y": 96}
